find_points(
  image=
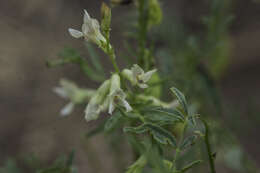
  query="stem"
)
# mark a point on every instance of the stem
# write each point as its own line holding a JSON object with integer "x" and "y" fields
{"x": 178, "y": 150}
{"x": 112, "y": 58}
{"x": 142, "y": 27}
{"x": 209, "y": 151}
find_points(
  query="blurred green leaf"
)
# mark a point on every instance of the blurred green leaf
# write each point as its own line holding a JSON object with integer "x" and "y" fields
{"x": 70, "y": 55}
{"x": 188, "y": 142}
{"x": 138, "y": 165}
{"x": 96, "y": 130}
{"x": 191, "y": 165}
{"x": 10, "y": 167}
{"x": 181, "y": 98}
{"x": 95, "y": 59}
{"x": 112, "y": 122}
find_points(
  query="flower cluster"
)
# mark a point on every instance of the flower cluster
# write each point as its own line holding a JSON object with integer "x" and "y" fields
{"x": 90, "y": 30}
{"x": 109, "y": 95}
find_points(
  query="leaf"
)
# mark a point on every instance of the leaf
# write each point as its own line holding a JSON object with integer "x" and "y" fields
{"x": 137, "y": 166}
{"x": 62, "y": 165}
{"x": 163, "y": 114}
{"x": 191, "y": 165}
{"x": 95, "y": 59}
{"x": 137, "y": 130}
{"x": 70, "y": 159}
{"x": 112, "y": 122}
{"x": 181, "y": 98}
{"x": 96, "y": 130}
{"x": 70, "y": 55}
{"x": 188, "y": 142}
{"x": 161, "y": 135}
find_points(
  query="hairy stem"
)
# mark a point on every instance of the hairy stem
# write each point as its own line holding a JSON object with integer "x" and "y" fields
{"x": 209, "y": 151}
{"x": 178, "y": 150}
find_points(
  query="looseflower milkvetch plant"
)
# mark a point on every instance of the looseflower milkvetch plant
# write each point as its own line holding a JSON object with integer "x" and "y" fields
{"x": 159, "y": 131}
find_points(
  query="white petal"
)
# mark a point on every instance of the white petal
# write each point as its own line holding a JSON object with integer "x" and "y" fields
{"x": 115, "y": 84}
{"x": 86, "y": 16}
{"x": 143, "y": 85}
{"x": 111, "y": 108}
{"x": 61, "y": 92}
{"x": 128, "y": 74}
{"x": 92, "y": 112}
{"x": 75, "y": 33}
{"x": 148, "y": 75}
{"x": 86, "y": 30}
{"x": 67, "y": 109}
{"x": 137, "y": 70}
{"x": 127, "y": 106}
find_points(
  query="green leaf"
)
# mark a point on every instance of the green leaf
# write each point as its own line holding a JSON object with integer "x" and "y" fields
{"x": 181, "y": 98}
{"x": 70, "y": 55}
{"x": 163, "y": 114}
{"x": 95, "y": 59}
{"x": 137, "y": 166}
{"x": 188, "y": 142}
{"x": 112, "y": 122}
{"x": 138, "y": 130}
{"x": 96, "y": 130}
{"x": 161, "y": 135}
{"x": 191, "y": 165}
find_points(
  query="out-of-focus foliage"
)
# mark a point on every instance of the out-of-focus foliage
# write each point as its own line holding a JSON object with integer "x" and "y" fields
{"x": 64, "y": 164}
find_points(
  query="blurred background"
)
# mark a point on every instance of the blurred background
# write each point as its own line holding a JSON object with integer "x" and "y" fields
{"x": 33, "y": 31}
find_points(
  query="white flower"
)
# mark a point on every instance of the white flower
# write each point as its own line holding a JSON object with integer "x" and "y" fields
{"x": 98, "y": 102}
{"x": 71, "y": 91}
{"x": 117, "y": 95}
{"x": 90, "y": 30}
{"x": 137, "y": 76}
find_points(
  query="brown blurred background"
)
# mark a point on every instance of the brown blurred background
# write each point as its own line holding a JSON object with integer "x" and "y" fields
{"x": 33, "y": 30}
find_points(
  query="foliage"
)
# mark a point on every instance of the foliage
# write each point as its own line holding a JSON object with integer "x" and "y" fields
{"x": 165, "y": 132}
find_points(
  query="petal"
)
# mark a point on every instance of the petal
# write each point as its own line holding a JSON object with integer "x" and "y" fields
{"x": 143, "y": 85}
{"x": 86, "y": 17}
{"x": 92, "y": 112}
{"x": 75, "y": 33}
{"x": 121, "y": 94}
{"x": 127, "y": 106}
{"x": 115, "y": 84}
{"x": 137, "y": 70}
{"x": 128, "y": 74}
{"x": 148, "y": 75}
{"x": 61, "y": 92}
{"x": 111, "y": 108}
{"x": 86, "y": 29}
{"x": 95, "y": 24}
{"x": 67, "y": 109}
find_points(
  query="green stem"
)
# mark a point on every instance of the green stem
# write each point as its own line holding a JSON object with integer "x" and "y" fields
{"x": 209, "y": 151}
{"x": 142, "y": 27}
{"x": 112, "y": 58}
{"x": 178, "y": 150}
